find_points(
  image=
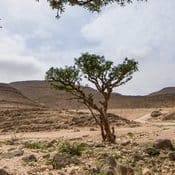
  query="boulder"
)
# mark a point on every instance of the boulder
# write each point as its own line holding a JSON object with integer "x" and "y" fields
{"x": 163, "y": 144}
{"x": 3, "y": 172}
{"x": 155, "y": 114}
{"x": 111, "y": 167}
{"x": 30, "y": 158}
{"x": 169, "y": 116}
{"x": 171, "y": 156}
{"x": 12, "y": 154}
{"x": 61, "y": 160}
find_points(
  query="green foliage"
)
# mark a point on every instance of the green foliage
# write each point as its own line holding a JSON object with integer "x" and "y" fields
{"x": 72, "y": 148}
{"x": 10, "y": 142}
{"x": 103, "y": 74}
{"x": 130, "y": 135}
{"x": 91, "y": 5}
{"x": 95, "y": 69}
{"x": 35, "y": 145}
{"x": 152, "y": 151}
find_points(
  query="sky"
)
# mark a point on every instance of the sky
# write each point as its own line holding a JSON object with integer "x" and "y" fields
{"x": 32, "y": 40}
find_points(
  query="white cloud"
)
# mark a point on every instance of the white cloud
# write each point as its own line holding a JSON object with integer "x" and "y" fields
{"x": 32, "y": 40}
{"x": 144, "y": 31}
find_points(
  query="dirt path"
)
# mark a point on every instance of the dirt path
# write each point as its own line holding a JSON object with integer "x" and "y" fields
{"x": 145, "y": 120}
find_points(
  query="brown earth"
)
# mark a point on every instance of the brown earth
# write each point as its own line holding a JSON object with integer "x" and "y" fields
{"x": 31, "y": 112}
{"x": 40, "y": 92}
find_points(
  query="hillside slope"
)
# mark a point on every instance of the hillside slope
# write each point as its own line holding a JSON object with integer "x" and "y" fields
{"x": 40, "y": 92}
{"x": 9, "y": 96}
{"x": 164, "y": 91}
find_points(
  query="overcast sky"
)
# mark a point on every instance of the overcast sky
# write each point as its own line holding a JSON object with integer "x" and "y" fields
{"x": 32, "y": 40}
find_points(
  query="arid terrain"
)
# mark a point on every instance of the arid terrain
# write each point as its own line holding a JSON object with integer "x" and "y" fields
{"x": 44, "y": 132}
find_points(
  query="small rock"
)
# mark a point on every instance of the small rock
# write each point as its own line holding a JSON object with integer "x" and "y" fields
{"x": 12, "y": 154}
{"x": 3, "y": 172}
{"x": 92, "y": 129}
{"x": 111, "y": 167}
{"x": 46, "y": 156}
{"x": 60, "y": 160}
{"x": 146, "y": 171}
{"x": 99, "y": 145}
{"x": 155, "y": 114}
{"x": 163, "y": 144}
{"x": 76, "y": 130}
{"x": 125, "y": 143}
{"x": 137, "y": 156}
{"x": 171, "y": 156}
{"x": 30, "y": 158}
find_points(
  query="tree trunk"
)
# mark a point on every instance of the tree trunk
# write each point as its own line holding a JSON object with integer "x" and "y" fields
{"x": 108, "y": 135}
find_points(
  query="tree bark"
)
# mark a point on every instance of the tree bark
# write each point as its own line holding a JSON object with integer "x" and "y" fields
{"x": 108, "y": 134}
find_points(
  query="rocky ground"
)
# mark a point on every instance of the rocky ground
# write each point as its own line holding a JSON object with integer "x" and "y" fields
{"x": 146, "y": 147}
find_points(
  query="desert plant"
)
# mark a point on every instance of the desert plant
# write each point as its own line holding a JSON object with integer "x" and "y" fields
{"x": 35, "y": 145}
{"x": 74, "y": 148}
{"x": 9, "y": 142}
{"x": 100, "y": 72}
{"x": 152, "y": 151}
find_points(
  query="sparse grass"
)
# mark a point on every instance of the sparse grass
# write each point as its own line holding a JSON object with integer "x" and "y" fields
{"x": 152, "y": 151}
{"x": 74, "y": 148}
{"x": 35, "y": 145}
{"x": 10, "y": 142}
{"x": 130, "y": 135}
{"x": 165, "y": 128}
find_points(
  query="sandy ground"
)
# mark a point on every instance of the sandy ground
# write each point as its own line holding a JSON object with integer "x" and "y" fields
{"x": 147, "y": 132}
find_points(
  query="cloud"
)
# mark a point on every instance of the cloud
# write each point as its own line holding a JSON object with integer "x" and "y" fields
{"x": 144, "y": 31}
{"x": 15, "y": 63}
{"x": 32, "y": 40}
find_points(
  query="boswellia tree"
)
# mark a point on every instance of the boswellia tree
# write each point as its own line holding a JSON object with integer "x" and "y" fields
{"x": 101, "y": 73}
{"x": 91, "y": 5}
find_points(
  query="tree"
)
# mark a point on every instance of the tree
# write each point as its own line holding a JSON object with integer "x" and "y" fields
{"x": 91, "y": 5}
{"x": 101, "y": 73}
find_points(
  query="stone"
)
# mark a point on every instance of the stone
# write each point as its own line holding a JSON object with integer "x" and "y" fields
{"x": 76, "y": 130}
{"x": 125, "y": 143}
{"x": 46, "y": 156}
{"x": 155, "y": 114}
{"x": 163, "y": 144}
{"x": 92, "y": 129}
{"x": 61, "y": 160}
{"x": 171, "y": 156}
{"x": 146, "y": 171}
{"x": 137, "y": 156}
{"x": 3, "y": 172}
{"x": 12, "y": 154}
{"x": 30, "y": 158}
{"x": 111, "y": 167}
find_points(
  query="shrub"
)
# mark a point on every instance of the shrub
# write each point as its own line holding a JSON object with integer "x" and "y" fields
{"x": 72, "y": 148}
{"x": 10, "y": 142}
{"x": 152, "y": 151}
{"x": 35, "y": 145}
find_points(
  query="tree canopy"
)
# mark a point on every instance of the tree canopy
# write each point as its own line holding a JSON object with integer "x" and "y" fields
{"x": 100, "y": 72}
{"x": 91, "y": 5}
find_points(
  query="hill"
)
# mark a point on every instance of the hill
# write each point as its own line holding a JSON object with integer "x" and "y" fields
{"x": 40, "y": 92}
{"x": 11, "y": 97}
{"x": 164, "y": 91}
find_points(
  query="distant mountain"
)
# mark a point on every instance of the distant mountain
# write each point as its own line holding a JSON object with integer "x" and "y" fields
{"x": 164, "y": 91}
{"x": 10, "y": 96}
{"x": 40, "y": 92}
